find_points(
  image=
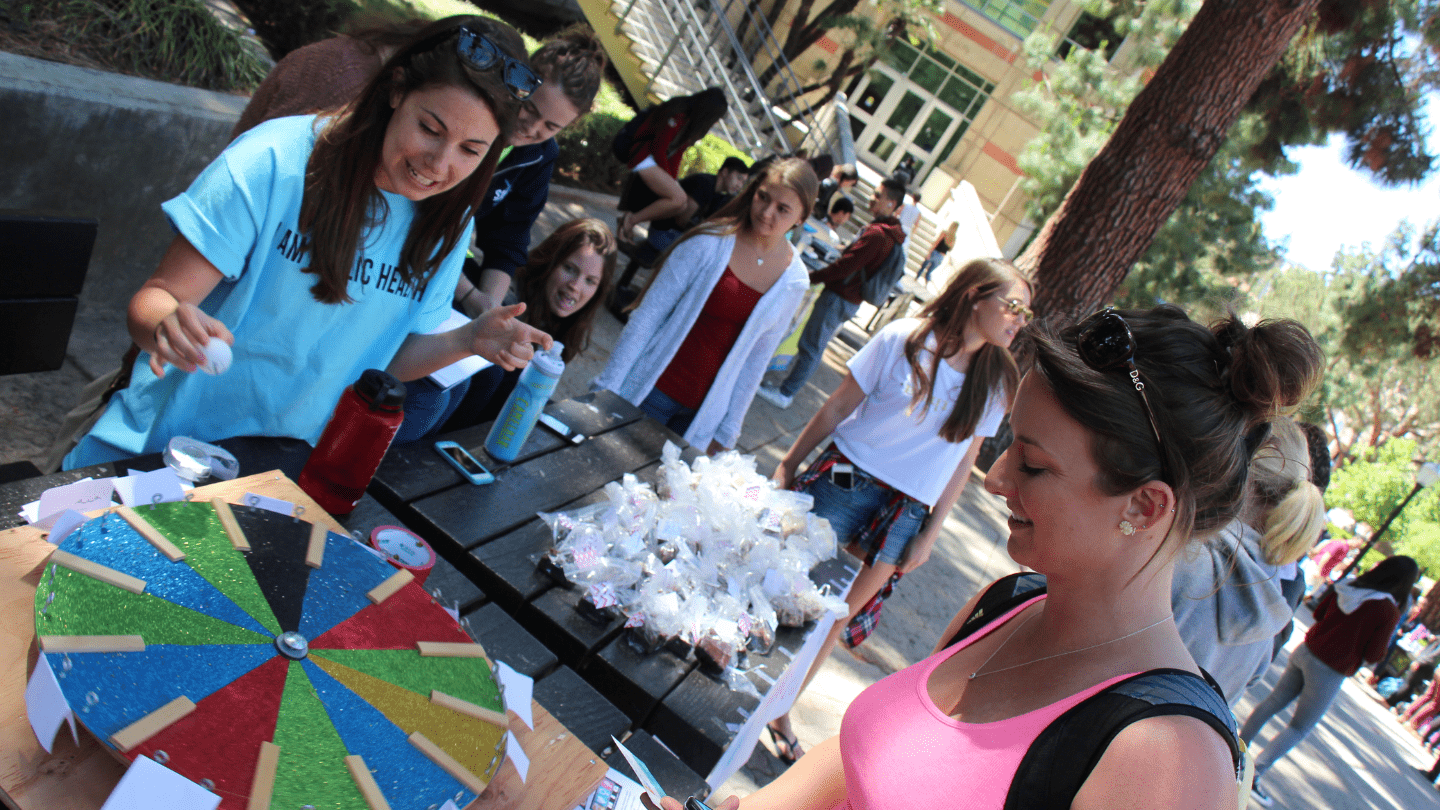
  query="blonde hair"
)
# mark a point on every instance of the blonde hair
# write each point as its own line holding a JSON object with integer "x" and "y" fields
{"x": 1287, "y": 508}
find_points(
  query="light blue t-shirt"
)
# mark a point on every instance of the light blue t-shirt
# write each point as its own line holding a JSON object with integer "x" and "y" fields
{"x": 293, "y": 356}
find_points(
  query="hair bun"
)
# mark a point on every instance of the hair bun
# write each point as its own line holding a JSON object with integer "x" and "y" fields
{"x": 1273, "y": 365}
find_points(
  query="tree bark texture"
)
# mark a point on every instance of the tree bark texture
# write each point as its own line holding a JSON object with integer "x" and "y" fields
{"x": 1171, "y": 131}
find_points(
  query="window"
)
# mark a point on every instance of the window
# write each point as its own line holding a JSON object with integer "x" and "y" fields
{"x": 1091, "y": 33}
{"x": 924, "y": 101}
{"x": 1019, "y": 17}
{"x": 875, "y": 93}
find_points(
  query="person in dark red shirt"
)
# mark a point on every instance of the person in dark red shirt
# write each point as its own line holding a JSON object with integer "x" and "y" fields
{"x": 1352, "y": 625}
{"x": 841, "y": 297}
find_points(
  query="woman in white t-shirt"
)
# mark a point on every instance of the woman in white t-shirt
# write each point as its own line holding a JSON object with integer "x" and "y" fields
{"x": 904, "y": 424}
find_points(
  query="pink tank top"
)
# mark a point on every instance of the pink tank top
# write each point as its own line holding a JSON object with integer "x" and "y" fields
{"x": 901, "y": 750}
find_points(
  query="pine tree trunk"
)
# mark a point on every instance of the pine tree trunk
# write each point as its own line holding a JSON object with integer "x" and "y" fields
{"x": 1171, "y": 131}
{"x": 1430, "y": 617}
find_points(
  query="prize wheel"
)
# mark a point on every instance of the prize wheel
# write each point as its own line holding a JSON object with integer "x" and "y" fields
{"x": 267, "y": 657}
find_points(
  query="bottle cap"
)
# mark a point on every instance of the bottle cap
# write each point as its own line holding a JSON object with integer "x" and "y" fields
{"x": 381, "y": 390}
{"x": 550, "y": 363}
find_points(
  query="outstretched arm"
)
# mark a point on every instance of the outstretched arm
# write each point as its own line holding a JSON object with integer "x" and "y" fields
{"x": 815, "y": 782}
{"x": 840, "y": 404}
{"x": 672, "y": 200}
{"x": 918, "y": 551}
{"x": 496, "y": 335}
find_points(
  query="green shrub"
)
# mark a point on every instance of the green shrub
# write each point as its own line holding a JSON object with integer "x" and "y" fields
{"x": 1371, "y": 489}
{"x": 707, "y": 155}
{"x": 175, "y": 41}
{"x": 585, "y": 158}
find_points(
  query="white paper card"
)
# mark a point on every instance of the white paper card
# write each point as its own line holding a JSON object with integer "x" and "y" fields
{"x": 272, "y": 504}
{"x": 463, "y": 368}
{"x": 82, "y": 496}
{"x": 516, "y": 755}
{"x": 518, "y": 689}
{"x": 652, "y": 785}
{"x": 46, "y": 705}
{"x": 449, "y": 805}
{"x": 65, "y": 523}
{"x": 148, "y": 785}
{"x": 145, "y": 488}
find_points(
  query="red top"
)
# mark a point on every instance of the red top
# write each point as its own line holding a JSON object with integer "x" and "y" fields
{"x": 654, "y": 139}
{"x": 1345, "y": 640}
{"x": 866, "y": 253}
{"x": 688, "y": 377}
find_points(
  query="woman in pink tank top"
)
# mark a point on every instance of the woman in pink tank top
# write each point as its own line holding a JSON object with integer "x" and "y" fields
{"x": 1133, "y": 431}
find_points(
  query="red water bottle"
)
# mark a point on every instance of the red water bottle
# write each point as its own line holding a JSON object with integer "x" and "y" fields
{"x": 350, "y": 449}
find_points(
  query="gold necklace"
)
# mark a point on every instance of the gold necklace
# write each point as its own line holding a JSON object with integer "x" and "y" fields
{"x": 976, "y": 673}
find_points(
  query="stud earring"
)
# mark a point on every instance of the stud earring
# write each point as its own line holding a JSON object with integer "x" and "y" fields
{"x": 1127, "y": 528}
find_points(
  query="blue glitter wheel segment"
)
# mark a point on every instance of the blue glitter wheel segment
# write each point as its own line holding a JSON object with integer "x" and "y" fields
{"x": 336, "y": 590}
{"x": 111, "y": 542}
{"x": 109, "y": 691}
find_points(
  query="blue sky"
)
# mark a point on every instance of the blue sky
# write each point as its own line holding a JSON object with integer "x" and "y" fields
{"x": 1327, "y": 205}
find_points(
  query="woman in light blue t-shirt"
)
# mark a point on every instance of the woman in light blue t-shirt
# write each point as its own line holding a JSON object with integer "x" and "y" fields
{"x": 319, "y": 247}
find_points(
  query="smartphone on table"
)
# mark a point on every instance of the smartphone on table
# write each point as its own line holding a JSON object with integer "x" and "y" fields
{"x": 459, "y": 458}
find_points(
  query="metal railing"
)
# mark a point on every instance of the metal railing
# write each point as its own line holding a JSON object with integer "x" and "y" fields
{"x": 687, "y": 45}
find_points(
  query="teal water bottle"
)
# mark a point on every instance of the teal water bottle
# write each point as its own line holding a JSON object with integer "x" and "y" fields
{"x": 526, "y": 403}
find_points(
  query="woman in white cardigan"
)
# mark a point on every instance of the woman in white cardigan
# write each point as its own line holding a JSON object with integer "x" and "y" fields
{"x": 703, "y": 332}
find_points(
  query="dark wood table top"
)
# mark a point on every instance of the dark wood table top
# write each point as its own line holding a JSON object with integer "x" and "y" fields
{"x": 492, "y": 535}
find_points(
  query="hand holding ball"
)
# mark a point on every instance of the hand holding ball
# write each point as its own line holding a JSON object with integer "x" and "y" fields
{"x": 217, "y": 357}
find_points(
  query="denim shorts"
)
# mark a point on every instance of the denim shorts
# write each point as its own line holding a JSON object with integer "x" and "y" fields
{"x": 660, "y": 407}
{"x": 849, "y": 510}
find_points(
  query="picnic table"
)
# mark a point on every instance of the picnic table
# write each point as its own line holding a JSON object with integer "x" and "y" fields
{"x": 489, "y": 541}
{"x": 601, "y": 685}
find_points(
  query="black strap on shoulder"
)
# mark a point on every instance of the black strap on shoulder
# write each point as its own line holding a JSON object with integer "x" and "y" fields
{"x": 1062, "y": 757}
{"x": 1000, "y": 598}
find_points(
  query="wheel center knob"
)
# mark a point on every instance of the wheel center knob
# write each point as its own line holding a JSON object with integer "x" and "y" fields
{"x": 292, "y": 645}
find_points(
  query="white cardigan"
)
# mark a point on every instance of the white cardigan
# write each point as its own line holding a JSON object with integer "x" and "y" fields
{"x": 668, "y": 312}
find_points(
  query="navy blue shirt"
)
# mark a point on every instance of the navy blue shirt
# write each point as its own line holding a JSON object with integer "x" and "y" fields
{"x": 514, "y": 200}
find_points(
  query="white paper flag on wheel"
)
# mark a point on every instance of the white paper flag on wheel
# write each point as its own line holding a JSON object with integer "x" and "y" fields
{"x": 46, "y": 706}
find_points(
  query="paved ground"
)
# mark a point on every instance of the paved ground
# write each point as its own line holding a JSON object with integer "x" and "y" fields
{"x": 1360, "y": 756}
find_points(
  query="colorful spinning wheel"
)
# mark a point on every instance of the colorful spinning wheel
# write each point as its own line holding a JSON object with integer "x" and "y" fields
{"x": 247, "y": 669}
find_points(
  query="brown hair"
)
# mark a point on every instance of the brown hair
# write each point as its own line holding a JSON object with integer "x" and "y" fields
{"x": 545, "y": 259}
{"x": 792, "y": 173}
{"x": 341, "y": 200}
{"x": 1213, "y": 392}
{"x": 1394, "y": 575}
{"x": 945, "y": 318}
{"x": 575, "y": 61}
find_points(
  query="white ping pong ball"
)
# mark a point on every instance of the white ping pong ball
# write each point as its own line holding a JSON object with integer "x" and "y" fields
{"x": 217, "y": 356}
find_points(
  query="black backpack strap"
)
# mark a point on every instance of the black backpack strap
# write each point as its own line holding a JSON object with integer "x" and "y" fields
{"x": 1062, "y": 757}
{"x": 1002, "y": 596}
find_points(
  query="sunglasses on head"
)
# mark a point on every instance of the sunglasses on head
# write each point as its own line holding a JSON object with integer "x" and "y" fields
{"x": 478, "y": 52}
{"x": 1105, "y": 343}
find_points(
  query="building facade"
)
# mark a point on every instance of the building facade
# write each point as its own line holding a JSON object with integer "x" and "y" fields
{"x": 945, "y": 110}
